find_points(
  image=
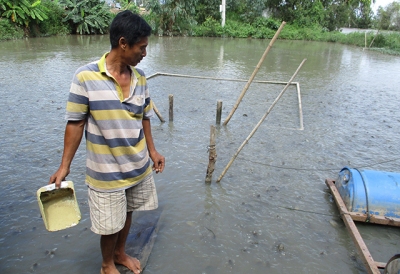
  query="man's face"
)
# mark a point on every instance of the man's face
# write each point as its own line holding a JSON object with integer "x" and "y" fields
{"x": 137, "y": 52}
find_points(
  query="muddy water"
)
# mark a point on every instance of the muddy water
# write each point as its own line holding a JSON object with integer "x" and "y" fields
{"x": 271, "y": 212}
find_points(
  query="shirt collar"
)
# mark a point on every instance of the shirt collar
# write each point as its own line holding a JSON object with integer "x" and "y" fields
{"x": 103, "y": 69}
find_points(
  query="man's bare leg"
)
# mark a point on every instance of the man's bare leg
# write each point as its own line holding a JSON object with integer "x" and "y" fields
{"x": 120, "y": 257}
{"x": 107, "y": 244}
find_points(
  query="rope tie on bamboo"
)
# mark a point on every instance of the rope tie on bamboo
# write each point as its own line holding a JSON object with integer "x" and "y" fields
{"x": 210, "y": 147}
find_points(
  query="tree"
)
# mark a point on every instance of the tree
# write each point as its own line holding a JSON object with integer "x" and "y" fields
{"x": 331, "y": 14}
{"x": 207, "y": 9}
{"x": 23, "y": 12}
{"x": 245, "y": 10}
{"x": 388, "y": 18}
{"x": 310, "y": 14}
{"x": 87, "y": 16}
{"x": 337, "y": 15}
{"x": 361, "y": 14}
{"x": 172, "y": 16}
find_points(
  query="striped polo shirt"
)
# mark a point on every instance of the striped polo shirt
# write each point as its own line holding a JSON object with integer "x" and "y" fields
{"x": 117, "y": 155}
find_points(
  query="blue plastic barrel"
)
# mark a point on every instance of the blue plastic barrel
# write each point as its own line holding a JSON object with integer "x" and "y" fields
{"x": 370, "y": 192}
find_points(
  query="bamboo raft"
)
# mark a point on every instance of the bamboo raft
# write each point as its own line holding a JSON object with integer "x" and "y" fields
{"x": 349, "y": 218}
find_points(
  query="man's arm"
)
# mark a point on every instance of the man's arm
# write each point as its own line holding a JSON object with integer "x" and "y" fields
{"x": 72, "y": 139}
{"x": 158, "y": 159}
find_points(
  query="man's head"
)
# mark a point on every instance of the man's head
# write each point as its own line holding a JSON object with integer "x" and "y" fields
{"x": 130, "y": 26}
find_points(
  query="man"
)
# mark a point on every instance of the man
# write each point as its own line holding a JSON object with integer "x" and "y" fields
{"x": 109, "y": 99}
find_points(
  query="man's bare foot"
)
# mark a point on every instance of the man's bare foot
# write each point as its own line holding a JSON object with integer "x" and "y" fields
{"x": 109, "y": 270}
{"x": 128, "y": 261}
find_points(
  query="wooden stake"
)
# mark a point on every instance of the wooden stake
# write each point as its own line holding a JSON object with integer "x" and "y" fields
{"x": 259, "y": 123}
{"x": 158, "y": 113}
{"x": 254, "y": 73}
{"x": 212, "y": 156}
{"x": 219, "y": 111}
{"x": 365, "y": 40}
{"x": 171, "y": 107}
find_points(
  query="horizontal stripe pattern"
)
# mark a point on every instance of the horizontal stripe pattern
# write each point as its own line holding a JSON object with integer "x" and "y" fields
{"x": 117, "y": 156}
{"x": 114, "y": 185}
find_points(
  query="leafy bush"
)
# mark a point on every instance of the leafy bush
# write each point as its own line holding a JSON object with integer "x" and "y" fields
{"x": 87, "y": 16}
{"x": 393, "y": 41}
{"x": 172, "y": 17}
{"x": 380, "y": 41}
{"x": 151, "y": 19}
{"x": 205, "y": 9}
{"x": 290, "y": 32}
{"x": 311, "y": 34}
{"x": 9, "y": 31}
{"x": 210, "y": 28}
{"x": 354, "y": 38}
{"x": 262, "y": 22}
{"x": 23, "y": 12}
{"x": 238, "y": 30}
{"x": 53, "y": 25}
{"x": 332, "y": 36}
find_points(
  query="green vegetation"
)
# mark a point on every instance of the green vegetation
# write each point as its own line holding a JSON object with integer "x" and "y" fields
{"x": 30, "y": 18}
{"x": 388, "y": 18}
{"x": 317, "y": 20}
{"x": 22, "y": 12}
{"x": 53, "y": 25}
{"x": 9, "y": 31}
{"x": 87, "y": 16}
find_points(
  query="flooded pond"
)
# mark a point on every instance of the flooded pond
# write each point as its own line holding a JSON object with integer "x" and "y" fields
{"x": 271, "y": 212}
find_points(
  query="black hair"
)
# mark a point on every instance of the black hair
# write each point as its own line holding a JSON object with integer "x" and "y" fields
{"x": 129, "y": 25}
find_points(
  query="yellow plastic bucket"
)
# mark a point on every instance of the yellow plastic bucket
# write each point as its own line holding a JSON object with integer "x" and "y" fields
{"x": 59, "y": 207}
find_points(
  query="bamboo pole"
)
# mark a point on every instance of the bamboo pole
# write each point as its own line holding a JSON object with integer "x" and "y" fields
{"x": 171, "y": 107}
{"x": 216, "y": 78}
{"x": 300, "y": 107}
{"x": 158, "y": 113}
{"x": 212, "y": 156}
{"x": 365, "y": 40}
{"x": 259, "y": 123}
{"x": 366, "y": 257}
{"x": 376, "y": 34}
{"x": 254, "y": 73}
{"x": 219, "y": 111}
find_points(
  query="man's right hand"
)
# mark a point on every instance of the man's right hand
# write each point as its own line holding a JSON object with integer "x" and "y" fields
{"x": 72, "y": 139}
{"x": 58, "y": 177}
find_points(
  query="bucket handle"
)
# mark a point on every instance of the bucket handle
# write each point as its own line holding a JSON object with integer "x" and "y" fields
{"x": 64, "y": 184}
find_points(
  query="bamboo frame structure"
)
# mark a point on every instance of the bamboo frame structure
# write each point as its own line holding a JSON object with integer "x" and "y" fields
{"x": 371, "y": 266}
{"x": 215, "y": 78}
{"x": 297, "y": 84}
{"x": 259, "y": 123}
{"x": 246, "y": 87}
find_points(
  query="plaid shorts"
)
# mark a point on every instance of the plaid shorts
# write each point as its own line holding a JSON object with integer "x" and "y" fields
{"x": 108, "y": 209}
